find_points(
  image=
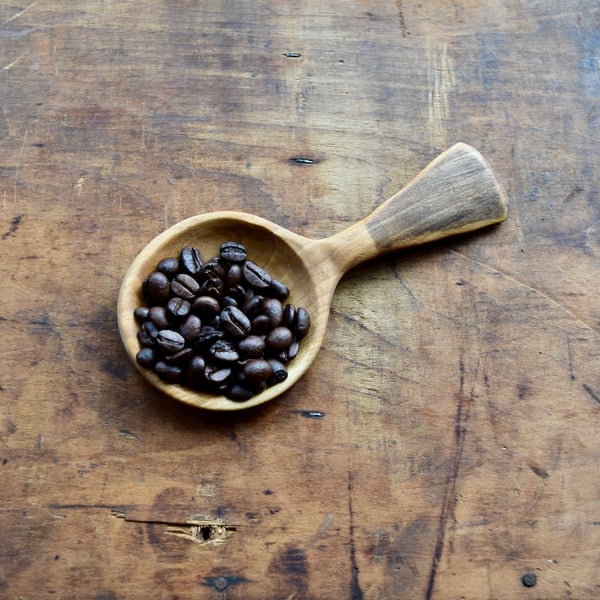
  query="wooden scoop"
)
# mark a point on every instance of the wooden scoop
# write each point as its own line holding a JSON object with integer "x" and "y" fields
{"x": 455, "y": 193}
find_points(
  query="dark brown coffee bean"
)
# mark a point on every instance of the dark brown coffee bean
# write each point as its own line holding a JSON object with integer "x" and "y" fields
{"x": 289, "y": 316}
{"x": 238, "y": 393}
{"x": 167, "y": 372}
{"x": 156, "y": 288}
{"x": 206, "y": 306}
{"x": 158, "y": 315}
{"x": 181, "y": 357}
{"x": 224, "y": 351}
{"x": 251, "y": 347}
{"x": 212, "y": 269}
{"x": 141, "y": 314}
{"x": 235, "y": 322}
{"x": 178, "y": 308}
{"x": 170, "y": 341}
{"x": 261, "y": 325}
{"x": 207, "y": 336}
{"x": 168, "y": 266}
{"x": 233, "y": 277}
{"x": 302, "y": 323}
{"x": 278, "y": 290}
{"x": 212, "y": 286}
{"x": 291, "y": 352}
{"x": 256, "y": 276}
{"x": 144, "y": 340}
{"x": 150, "y": 330}
{"x": 279, "y": 339}
{"x": 257, "y": 369}
{"x": 190, "y": 328}
{"x": 252, "y": 306}
{"x": 185, "y": 286}
{"x": 146, "y": 358}
{"x": 217, "y": 375}
{"x": 228, "y": 301}
{"x": 238, "y": 293}
{"x": 194, "y": 373}
{"x": 274, "y": 310}
{"x": 279, "y": 371}
{"x": 190, "y": 260}
{"x": 233, "y": 252}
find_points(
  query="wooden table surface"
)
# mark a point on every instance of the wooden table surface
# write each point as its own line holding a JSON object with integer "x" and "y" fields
{"x": 445, "y": 442}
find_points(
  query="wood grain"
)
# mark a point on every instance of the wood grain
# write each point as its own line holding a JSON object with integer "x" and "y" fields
{"x": 445, "y": 441}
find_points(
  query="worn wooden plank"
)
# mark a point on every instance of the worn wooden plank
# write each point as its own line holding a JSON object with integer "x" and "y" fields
{"x": 444, "y": 444}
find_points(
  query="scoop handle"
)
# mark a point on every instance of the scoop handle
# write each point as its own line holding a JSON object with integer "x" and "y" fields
{"x": 456, "y": 193}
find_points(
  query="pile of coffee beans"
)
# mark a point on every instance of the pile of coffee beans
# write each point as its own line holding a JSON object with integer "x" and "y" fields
{"x": 220, "y": 326}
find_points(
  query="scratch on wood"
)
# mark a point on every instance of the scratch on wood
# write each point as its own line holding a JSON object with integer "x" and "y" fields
{"x": 19, "y": 14}
{"x": 441, "y": 85}
{"x": 17, "y": 166}
{"x": 449, "y": 500}
{"x": 355, "y": 589}
{"x": 10, "y": 65}
{"x": 593, "y": 395}
{"x": 402, "y": 18}
{"x": 14, "y": 225}
{"x": 532, "y": 288}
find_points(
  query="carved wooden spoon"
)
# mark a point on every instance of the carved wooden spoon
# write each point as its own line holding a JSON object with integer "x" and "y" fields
{"x": 457, "y": 192}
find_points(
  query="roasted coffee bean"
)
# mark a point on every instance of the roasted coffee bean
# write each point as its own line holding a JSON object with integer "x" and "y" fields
{"x": 274, "y": 310}
{"x": 228, "y": 301}
{"x": 234, "y": 276}
{"x": 278, "y": 290}
{"x": 170, "y": 341}
{"x": 144, "y": 340}
{"x": 150, "y": 330}
{"x": 239, "y": 293}
{"x": 194, "y": 373}
{"x": 261, "y": 325}
{"x": 217, "y": 375}
{"x": 279, "y": 371}
{"x": 158, "y": 315}
{"x": 256, "y": 276}
{"x": 181, "y": 357}
{"x": 156, "y": 288}
{"x": 279, "y": 339}
{"x": 178, "y": 308}
{"x": 207, "y": 336}
{"x": 185, "y": 286}
{"x": 252, "y": 306}
{"x": 206, "y": 306}
{"x": 190, "y": 328}
{"x": 168, "y": 266}
{"x": 235, "y": 322}
{"x": 141, "y": 313}
{"x": 212, "y": 269}
{"x": 224, "y": 351}
{"x": 252, "y": 346}
{"x": 146, "y": 358}
{"x": 291, "y": 352}
{"x": 239, "y": 393}
{"x": 257, "y": 369}
{"x": 211, "y": 286}
{"x": 289, "y": 316}
{"x": 190, "y": 260}
{"x": 233, "y": 252}
{"x": 167, "y": 372}
{"x": 302, "y": 323}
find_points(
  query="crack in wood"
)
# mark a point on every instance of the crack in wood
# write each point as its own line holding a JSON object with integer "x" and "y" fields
{"x": 201, "y": 531}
